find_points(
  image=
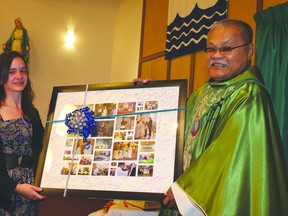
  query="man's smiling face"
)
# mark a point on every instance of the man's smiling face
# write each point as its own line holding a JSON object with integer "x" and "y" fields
{"x": 225, "y": 65}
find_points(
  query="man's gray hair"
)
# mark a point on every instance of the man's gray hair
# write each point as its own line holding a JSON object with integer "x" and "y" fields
{"x": 246, "y": 31}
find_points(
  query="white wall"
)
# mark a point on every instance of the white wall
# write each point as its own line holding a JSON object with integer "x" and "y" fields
{"x": 97, "y": 57}
{"x": 126, "y": 46}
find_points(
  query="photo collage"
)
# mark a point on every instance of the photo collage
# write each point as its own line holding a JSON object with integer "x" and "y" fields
{"x": 122, "y": 145}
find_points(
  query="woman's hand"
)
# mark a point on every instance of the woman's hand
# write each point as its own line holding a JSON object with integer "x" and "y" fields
{"x": 30, "y": 192}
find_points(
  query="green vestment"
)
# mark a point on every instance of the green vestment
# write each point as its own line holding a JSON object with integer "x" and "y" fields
{"x": 233, "y": 160}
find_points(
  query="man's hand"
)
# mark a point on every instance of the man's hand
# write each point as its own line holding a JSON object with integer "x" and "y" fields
{"x": 29, "y": 191}
{"x": 143, "y": 80}
{"x": 169, "y": 200}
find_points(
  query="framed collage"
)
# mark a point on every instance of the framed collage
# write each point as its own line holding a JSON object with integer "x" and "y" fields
{"x": 135, "y": 152}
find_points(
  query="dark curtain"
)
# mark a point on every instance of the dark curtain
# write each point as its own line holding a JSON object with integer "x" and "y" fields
{"x": 272, "y": 59}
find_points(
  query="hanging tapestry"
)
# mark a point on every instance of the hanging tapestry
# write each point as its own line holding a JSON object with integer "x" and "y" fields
{"x": 188, "y": 24}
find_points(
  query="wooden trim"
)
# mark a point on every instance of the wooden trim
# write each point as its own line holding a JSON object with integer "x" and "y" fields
{"x": 227, "y": 13}
{"x": 259, "y": 6}
{"x": 153, "y": 56}
{"x": 192, "y": 70}
{"x": 142, "y": 38}
{"x": 168, "y": 74}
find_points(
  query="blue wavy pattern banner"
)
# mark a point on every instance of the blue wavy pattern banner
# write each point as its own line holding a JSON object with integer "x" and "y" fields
{"x": 189, "y": 34}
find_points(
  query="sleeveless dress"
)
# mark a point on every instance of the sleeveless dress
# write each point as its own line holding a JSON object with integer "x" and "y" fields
{"x": 16, "y": 136}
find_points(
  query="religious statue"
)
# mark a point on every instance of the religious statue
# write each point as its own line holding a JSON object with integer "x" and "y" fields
{"x": 18, "y": 40}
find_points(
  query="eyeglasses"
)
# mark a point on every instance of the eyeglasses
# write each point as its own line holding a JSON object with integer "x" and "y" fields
{"x": 222, "y": 50}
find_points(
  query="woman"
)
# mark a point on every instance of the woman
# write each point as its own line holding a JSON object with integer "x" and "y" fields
{"x": 21, "y": 134}
{"x": 18, "y": 40}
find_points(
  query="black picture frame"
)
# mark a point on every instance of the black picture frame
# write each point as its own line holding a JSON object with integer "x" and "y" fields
{"x": 157, "y": 156}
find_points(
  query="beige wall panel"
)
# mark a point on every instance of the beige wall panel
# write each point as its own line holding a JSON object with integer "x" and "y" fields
{"x": 243, "y": 10}
{"x": 155, "y": 26}
{"x": 271, "y": 3}
{"x": 156, "y": 68}
{"x": 201, "y": 74}
{"x": 181, "y": 69}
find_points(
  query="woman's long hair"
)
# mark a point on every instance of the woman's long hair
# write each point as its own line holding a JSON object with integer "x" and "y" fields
{"x": 28, "y": 95}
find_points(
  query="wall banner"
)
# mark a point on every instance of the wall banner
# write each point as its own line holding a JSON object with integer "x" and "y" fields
{"x": 188, "y": 24}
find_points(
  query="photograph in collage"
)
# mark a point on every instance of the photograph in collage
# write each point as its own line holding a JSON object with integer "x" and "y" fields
{"x": 151, "y": 105}
{"x": 146, "y": 158}
{"x": 103, "y": 143}
{"x": 100, "y": 169}
{"x": 125, "y": 150}
{"x": 125, "y": 123}
{"x": 127, "y": 107}
{"x": 105, "y": 109}
{"x": 146, "y": 125}
{"x": 85, "y": 147}
{"x": 147, "y": 146}
{"x": 66, "y": 167}
{"x": 102, "y": 155}
{"x": 145, "y": 170}
{"x": 126, "y": 169}
{"x": 104, "y": 128}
